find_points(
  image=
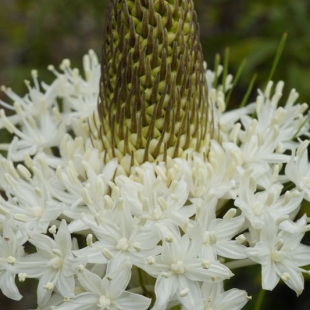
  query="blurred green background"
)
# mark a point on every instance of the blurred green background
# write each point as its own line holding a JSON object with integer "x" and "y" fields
{"x": 34, "y": 34}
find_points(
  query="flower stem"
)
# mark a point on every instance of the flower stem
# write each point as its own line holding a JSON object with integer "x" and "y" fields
{"x": 260, "y": 298}
{"x": 247, "y": 94}
{"x": 235, "y": 81}
{"x": 278, "y": 55}
{"x": 240, "y": 263}
{"x": 225, "y": 72}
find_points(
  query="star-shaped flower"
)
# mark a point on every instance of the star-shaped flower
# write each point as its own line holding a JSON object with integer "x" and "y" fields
{"x": 280, "y": 254}
{"x": 179, "y": 270}
{"x": 11, "y": 250}
{"x": 52, "y": 264}
{"x": 107, "y": 293}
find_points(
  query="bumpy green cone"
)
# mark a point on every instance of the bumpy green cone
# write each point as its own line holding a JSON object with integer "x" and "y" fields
{"x": 153, "y": 99}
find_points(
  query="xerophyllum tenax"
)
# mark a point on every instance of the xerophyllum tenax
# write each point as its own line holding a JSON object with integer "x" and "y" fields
{"x": 133, "y": 188}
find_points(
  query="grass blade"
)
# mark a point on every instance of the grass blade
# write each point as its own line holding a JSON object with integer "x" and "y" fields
{"x": 248, "y": 92}
{"x": 277, "y": 57}
{"x": 235, "y": 81}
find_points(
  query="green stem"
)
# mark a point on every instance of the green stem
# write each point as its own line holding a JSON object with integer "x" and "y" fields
{"x": 240, "y": 263}
{"x": 225, "y": 72}
{"x": 260, "y": 298}
{"x": 216, "y": 66}
{"x": 278, "y": 55}
{"x": 235, "y": 81}
{"x": 247, "y": 94}
{"x": 302, "y": 125}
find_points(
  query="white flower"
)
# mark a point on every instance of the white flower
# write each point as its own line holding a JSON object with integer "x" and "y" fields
{"x": 260, "y": 146}
{"x": 298, "y": 169}
{"x": 215, "y": 298}
{"x": 29, "y": 199}
{"x": 33, "y": 103}
{"x": 214, "y": 177}
{"x": 255, "y": 204}
{"x": 118, "y": 238}
{"x": 11, "y": 250}
{"x": 173, "y": 219}
{"x": 38, "y": 123}
{"x": 77, "y": 151}
{"x": 158, "y": 202}
{"x": 79, "y": 94}
{"x": 297, "y": 228}
{"x": 36, "y": 134}
{"x": 218, "y": 233}
{"x": 83, "y": 192}
{"x": 52, "y": 264}
{"x": 229, "y": 119}
{"x": 281, "y": 255}
{"x": 289, "y": 118}
{"x": 107, "y": 293}
{"x": 55, "y": 300}
{"x": 178, "y": 270}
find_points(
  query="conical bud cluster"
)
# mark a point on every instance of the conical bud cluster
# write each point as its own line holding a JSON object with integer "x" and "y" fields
{"x": 153, "y": 93}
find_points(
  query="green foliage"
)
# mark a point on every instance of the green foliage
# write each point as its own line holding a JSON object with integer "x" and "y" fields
{"x": 252, "y": 30}
{"x": 34, "y": 34}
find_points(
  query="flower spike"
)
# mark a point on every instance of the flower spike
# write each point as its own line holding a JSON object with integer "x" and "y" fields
{"x": 153, "y": 92}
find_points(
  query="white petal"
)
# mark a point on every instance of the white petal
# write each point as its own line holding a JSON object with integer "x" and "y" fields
{"x": 84, "y": 301}
{"x": 117, "y": 281}
{"x": 165, "y": 288}
{"x": 216, "y": 271}
{"x": 44, "y": 295}
{"x": 90, "y": 281}
{"x": 8, "y": 286}
{"x": 269, "y": 277}
{"x": 65, "y": 285}
{"x": 231, "y": 249}
{"x": 131, "y": 301}
{"x": 233, "y": 299}
{"x": 296, "y": 279}
{"x": 301, "y": 255}
{"x": 63, "y": 237}
{"x": 193, "y": 299}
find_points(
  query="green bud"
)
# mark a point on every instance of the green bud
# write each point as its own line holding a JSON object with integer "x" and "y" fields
{"x": 153, "y": 94}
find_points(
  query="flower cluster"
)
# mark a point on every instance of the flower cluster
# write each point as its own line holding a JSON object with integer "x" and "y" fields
{"x": 166, "y": 233}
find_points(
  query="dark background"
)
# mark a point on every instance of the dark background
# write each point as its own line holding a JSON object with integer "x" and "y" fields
{"x": 34, "y": 34}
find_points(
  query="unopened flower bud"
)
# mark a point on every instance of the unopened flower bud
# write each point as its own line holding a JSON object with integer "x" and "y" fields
{"x": 153, "y": 92}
